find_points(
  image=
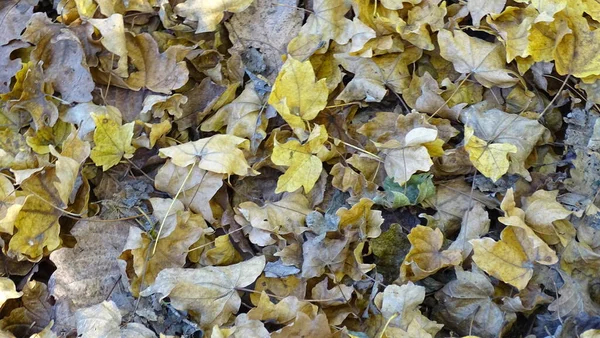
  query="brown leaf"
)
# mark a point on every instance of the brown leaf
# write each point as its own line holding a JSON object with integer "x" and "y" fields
{"x": 90, "y": 272}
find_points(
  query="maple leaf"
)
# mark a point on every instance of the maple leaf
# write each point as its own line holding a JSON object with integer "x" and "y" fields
{"x": 425, "y": 256}
{"x": 241, "y": 116}
{"x": 210, "y": 293}
{"x": 8, "y": 290}
{"x": 466, "y": 305}
{"x": 281, "y": 312}
{"x": 170, "y": 252}
{"x": 304, "y": 165}
{"x": 76, "y": 286}
{"x": 112, "y": 141}
{"x": 475, "y": 56}
{"x": 219, "y": 154}
{"x": 286, "y": 216}
{"x": 104, "y": 320}
{"x": 399, "y": 306}
{"x": 491, "y": 159}
{"x": 499, "y": 127}
{"x": 511, "y": 259}
{"x": 372, "y": 76}
{"x": 480, "y": 8}
{"x": 34, "y": 314}
{"x": 361, "y": 218}
{"x": 207, "y": 14}
{"x": 293, "y": 102}
{"x": 575, "y": 52}
{"x": 328, "y": 21}
{"x": 113, "y": 39}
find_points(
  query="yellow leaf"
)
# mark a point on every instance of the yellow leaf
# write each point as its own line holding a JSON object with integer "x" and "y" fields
{"x": 576, "y": 53}
{"x": 373, "y": 76}
{"x": 472, "y": 55}
{"x": 329, "y": 21}
{"x": 209, "y": 293}
{"x": 8, "y": 290}
{"x": 422, "y": 18}
{"x": 158, "y": 130}
{"x": 283, "y": 311}
{"x": 360, "y": 217}
{"x": 171, "y": 250}
{"x": 240, "y": 116}
{"x": 283, "y": 217}
{"x": 593, "y": 333}
{"x": 511, "y": 259}
{"x": 514, "y": 36}
{"x": 113, "y": 39}
{"x": 425, "y": 256}
{"x": 46, "y": 136}
{"x": 547, "y": 218}
{"x": 304, "y": 165}
{"x": 224, "y": 253}
{"x": 9, "y": 205}
{"x": 198, "y": 190}
{"x": 206, "y": 15}
{"x": 37, "y": 230}
{"x": 112, "y": 141}
{"x": 496, "y": 126}
{"x": 291, "y": 95}
{"x": 490, "y": 159}
{"x": 219, "y": 153}
{"x": 481, "y": 8}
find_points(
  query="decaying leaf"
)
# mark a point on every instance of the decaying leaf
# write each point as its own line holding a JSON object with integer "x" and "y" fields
{"x": 104, "y": 320}
{"x": 164, "y": 162}
{"x": 425, "y": 256}
{"x": 209, "y": 293}
{"x": 96, "y": 276}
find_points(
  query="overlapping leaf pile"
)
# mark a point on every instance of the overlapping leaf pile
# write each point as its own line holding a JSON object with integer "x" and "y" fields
{"x": 324, "y": 168}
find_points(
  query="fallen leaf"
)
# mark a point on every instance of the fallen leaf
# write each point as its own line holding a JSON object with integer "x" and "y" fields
{"x": 361, "y": 218}
{"x": 8, "y": 290}
{"x": 76, "y": 286}
{"x": 210, "y": 293}
{"x": 491, "y": 159}
{"x": 159, "y": 72}
{"x": 35, "y": 313}
{"x": 295, "y": 104}
{"x": 467, "y": 306}
{"x": 220, "y": 154}
{"x": 112, "y": 141}
{"x": 304, "y": 165}
{"x": 475, "y": 224}
{"x": 425, "y": 256}
{"x": 281, "y": 312}
{"x": 512, "y": 258}
{"x": 207, "y": 15}
{"x": 373, "y": 76}
{"x": 170, "y": 252}
{"x": 399, "y": 305}
{"x": 104, "y": 320}
{"x": 480, "y": 8}
{"x": 196, "y": 191}
{"x": 500, "y": 127}
{"x": 471, "y": 55}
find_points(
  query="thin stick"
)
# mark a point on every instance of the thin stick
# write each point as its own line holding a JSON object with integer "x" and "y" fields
{"x": 555, "y": 96}
{"x": 162, "y": 224}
